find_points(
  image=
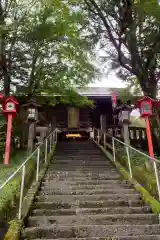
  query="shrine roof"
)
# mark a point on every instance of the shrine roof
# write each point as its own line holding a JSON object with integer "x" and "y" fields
{"x": 87, "y": 91}
{"x": 98, "y": 91}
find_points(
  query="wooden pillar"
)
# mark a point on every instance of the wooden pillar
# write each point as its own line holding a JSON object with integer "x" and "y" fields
{"x": 53, "y": 122}
{"x": 103, "y": 123}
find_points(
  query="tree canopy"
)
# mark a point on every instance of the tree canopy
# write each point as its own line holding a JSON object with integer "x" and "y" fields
{"x": 44, "y": 47}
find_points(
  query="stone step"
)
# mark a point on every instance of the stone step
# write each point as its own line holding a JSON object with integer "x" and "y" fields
{"x": 109, "y": 182}
{"x": 80, "y": 167}
{"x": 66, "y": 204}
{"x": 81, "y": 157}
{"x": 89, "y": 231}
{"x": 83, "y": 152}
{"x": 83, "y": 162}
{"x": 82, "y": 197}
{"x": 80, "y": 163}
{"x": 102, "y": 197}
{"x": 80, "y": 219}
{"x": 81, "y": 172}
{"x": 56, "y": 185}
{"x": 66, "y": 190}
{"x": 83, "y": 178}
{"x": 140, "y": 237}
{"x": 95, "y": 189}
{"x": 85, "y": 211}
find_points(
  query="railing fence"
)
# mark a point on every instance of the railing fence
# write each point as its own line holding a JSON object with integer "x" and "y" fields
{"x": 40, "y": 157}
{"x": 134, "y": 161}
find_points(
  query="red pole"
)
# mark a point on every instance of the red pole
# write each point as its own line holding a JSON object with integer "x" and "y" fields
{"x": 149, "y": 138}
{"x": 8, "y": 139}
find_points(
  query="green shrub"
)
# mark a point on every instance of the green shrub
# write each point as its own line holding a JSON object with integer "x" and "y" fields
{"x": 140, "y": 170}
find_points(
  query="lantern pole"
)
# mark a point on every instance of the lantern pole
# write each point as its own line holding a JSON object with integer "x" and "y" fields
{"x": 149, "y": 137}
{"x": 8, "y": 139}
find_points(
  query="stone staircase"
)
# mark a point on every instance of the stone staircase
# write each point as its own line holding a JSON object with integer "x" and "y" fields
{"x": 82, "y": 197}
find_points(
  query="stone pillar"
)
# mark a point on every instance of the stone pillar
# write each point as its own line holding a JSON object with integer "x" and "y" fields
{"x": 126, "y": 133}
{"x": 31, "y": 136}
{"x": 43, "y": 133}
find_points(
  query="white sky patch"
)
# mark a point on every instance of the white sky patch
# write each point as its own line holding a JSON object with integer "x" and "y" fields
{"x": 110, "y": 81}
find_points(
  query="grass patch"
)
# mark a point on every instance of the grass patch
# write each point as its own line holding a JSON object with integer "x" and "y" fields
{"x": 16, "y": 160}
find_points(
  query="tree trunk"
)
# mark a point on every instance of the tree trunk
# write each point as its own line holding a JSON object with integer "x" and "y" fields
{"x": 7, "y": 82}
{"x": 3, "y": 60}
{"x": 148, "y": 85}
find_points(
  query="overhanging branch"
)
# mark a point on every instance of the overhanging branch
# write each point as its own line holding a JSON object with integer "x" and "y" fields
{"x": 94, "y": 8}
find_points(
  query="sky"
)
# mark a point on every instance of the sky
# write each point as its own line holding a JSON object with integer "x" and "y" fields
{"x": 109, "y": 81}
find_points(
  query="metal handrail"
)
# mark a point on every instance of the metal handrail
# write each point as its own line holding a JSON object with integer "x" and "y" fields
{"x": 136, "y": 150}
{"x": 153, "y": 160}
{"x": 51, "y": 139}
{"x": 129, "y": 146}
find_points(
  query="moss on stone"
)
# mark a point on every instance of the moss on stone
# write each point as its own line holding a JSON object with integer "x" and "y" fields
{"x": 148, "y": 199}
{"x": 14, "y": 230}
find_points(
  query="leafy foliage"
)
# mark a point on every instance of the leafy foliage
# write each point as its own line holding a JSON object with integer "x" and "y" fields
{"x": 73, "y": 98}
{"x": 47, "y": 47}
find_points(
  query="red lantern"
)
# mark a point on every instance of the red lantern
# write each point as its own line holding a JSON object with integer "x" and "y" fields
{"x": 146, "y": 108}
{"x": 10, "y": 110}
{"x": 10, "y": 106}
{"x": 146, "y": 105}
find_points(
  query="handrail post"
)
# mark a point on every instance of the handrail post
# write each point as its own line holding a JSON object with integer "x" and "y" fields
{"x": 38, "y": 161}
{"x": 93, "y": 134}
{"x": 46, "y": 150}
{"x": 53, "y": 138}
{"x": 50, "y": 141}
{"x": 157, "y": 178}
{"x": 56, "y": 136}
{"x": 21, "y": 193}
{"x": 113, "y": 148}
{"x": 129, "y": 162}
{"x": 104, "y": 140}
{"x": 98, "y": 136}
